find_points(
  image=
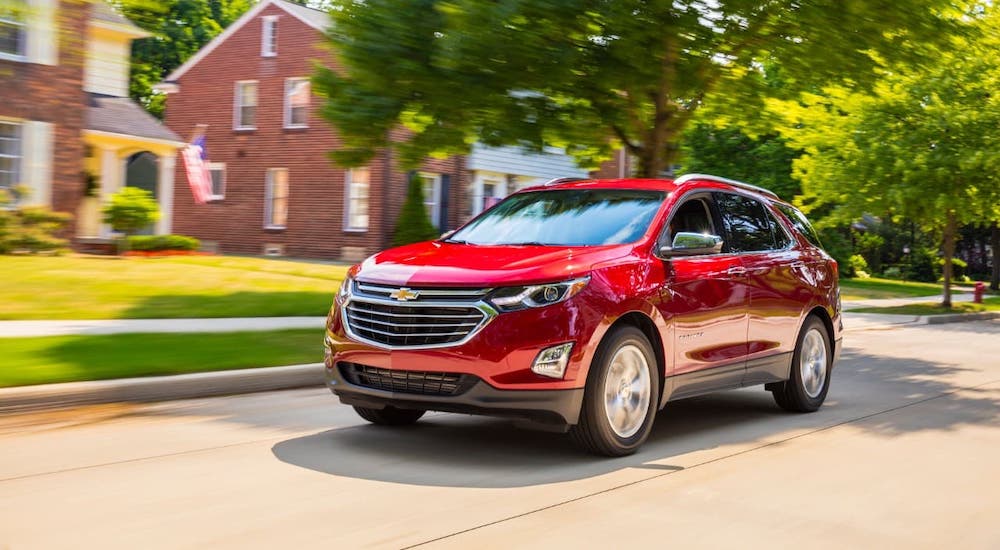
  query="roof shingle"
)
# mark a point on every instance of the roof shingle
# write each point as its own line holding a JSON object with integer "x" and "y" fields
{"x": 121, "y": 115}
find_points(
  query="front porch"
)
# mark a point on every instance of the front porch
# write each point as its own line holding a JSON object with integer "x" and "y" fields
{"x": 125, "y": 146}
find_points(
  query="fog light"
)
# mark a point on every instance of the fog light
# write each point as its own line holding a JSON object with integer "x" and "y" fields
{"x": 552, "y": 361}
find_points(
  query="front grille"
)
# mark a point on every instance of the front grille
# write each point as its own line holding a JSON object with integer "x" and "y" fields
{"x": 401, "y": 381}
{"x": 436, "y": 317}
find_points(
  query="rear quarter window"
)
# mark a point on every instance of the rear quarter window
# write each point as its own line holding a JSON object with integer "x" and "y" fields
{"x": 800, "y": 223}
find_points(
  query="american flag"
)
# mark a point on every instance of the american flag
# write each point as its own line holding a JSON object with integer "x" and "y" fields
{"x": 196, "y": 166}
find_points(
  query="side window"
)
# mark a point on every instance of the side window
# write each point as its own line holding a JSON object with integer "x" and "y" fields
{"x": 800, "y": 223}
{"x": 691, "y": 217}
{"x": 746, "y": 223}
{"x": 781, "y": 238}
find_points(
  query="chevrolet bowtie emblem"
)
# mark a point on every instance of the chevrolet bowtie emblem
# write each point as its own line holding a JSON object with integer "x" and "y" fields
{"x": 404, "y": 294}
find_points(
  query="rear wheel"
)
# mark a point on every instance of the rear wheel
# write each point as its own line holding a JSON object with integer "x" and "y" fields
{"x": 806, "y": 389}
{"x": 620, "y": 399}
{"x": 389, "y": 416}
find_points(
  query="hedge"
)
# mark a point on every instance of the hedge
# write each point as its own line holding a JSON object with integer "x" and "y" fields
{"x": 162, "y": 242}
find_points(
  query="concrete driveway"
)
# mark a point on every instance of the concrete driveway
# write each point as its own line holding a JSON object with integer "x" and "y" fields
{"x": 906, "y": 453}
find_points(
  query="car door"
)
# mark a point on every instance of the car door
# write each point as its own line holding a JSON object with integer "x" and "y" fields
{"x": 705, "y": 299}
{"x": 777, "y": 295}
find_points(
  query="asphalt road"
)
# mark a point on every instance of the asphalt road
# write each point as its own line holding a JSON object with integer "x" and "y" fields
{"x": 905, "y": 454}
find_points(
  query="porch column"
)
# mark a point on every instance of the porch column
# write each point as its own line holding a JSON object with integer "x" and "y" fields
{"x": 165, "y": 192}
{"x": 111, "y": 180}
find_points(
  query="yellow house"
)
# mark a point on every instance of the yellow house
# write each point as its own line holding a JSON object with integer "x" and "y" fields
{"x": 69, "y": 132}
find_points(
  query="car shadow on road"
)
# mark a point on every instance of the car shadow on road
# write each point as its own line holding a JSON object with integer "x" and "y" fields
{"x": 468, "y": 451}
{"x": 869, "y": 392}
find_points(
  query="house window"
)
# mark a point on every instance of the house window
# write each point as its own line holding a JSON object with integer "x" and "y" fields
{"x": 12, "y": 34}
{"x": 269, "y": 36}
{"x": 357, "y": 186}
{"x": 276, "y": 199}
{"x": 432, "y": 196}
{"x": 10, "y": 154}
{"x": 218, "y": 172}
{"x": 297, "y": 95}
{"x": 246, "y": 105}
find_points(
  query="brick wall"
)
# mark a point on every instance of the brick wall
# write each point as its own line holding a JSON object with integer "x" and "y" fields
{"x": 55, "y": 94}
{"x": 315, "y": 226}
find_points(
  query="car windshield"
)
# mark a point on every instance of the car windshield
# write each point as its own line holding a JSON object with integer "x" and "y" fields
{"x": 565, "y": 217}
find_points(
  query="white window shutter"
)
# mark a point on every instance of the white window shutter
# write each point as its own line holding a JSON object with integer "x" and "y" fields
{"x": 36, "y": 143}
{"x": 43, "y": 36}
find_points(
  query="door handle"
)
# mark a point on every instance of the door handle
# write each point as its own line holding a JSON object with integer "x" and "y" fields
{"x": 737, "y": 270}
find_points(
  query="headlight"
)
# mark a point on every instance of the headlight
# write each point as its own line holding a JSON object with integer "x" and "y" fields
{"x": 523, "y": 297}
{"x": 345, "y": 289}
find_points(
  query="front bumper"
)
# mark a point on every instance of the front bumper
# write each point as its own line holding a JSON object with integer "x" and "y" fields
{"x": 549, "y": 407}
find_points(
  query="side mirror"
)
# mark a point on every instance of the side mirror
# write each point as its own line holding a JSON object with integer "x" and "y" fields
{"x": 692, "y": 244}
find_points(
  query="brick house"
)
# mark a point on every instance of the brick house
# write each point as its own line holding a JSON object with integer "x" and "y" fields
{"x": 275, "y": 190}
{"x": 68, "y": 131}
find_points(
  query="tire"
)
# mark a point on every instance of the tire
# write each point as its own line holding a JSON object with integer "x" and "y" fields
{"x": 625, "y": 360}
{"x": 806, "y": 389}
{"x": 389, "y": 416}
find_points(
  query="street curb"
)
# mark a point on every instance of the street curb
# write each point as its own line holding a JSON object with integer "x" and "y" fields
{"x": 159, "y": 388}
{"x": 961, "y": 317}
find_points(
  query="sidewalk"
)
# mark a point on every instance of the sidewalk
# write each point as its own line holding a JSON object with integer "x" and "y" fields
{"x": 892, "y": 302}
{"x": 20, "y": 329}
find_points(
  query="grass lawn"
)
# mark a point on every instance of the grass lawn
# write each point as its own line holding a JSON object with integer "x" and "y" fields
{"x": 865, "y": 289}
{"x": 934, "y": 308}
{"x": 53, "y": 359}
{"x": 99, "y": 287}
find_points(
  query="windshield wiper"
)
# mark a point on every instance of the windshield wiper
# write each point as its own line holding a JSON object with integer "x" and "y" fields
{"x": 529, "y": 243}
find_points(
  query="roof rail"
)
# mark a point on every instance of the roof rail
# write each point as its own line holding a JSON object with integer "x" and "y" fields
{"x": 734, "y": 183}
{"x": 557, "y": 181}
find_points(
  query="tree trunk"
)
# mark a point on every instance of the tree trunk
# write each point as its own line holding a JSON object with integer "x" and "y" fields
{"x": 654, "y": 158}
{"x": 995, "y": 245}
{"x": 948, "y": 247}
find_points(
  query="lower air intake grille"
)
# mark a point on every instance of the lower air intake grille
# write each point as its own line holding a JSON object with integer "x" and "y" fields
{"x": 402, "y": 381}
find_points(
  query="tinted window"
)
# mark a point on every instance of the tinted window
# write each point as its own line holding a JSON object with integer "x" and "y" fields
{"x": 746, "y": 223}
{"x": 691, "y": 217}
{"x": 800, "y": 223}
{"x": 781, "y": 239}
{"x": 565, "y": 217}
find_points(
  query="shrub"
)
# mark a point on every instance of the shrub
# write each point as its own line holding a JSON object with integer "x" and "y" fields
{"x": 414, "y": 224}
{"x": 858, "y": 266}
{"x": 30, "y": 229}
{"x": 130, "y": 210}
{"x": 924, "y": 266}
{"x": 152, "y": 243}
{"x": 893, "y": 273}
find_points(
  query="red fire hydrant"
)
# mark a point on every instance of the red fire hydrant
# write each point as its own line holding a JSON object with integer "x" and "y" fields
{"x": 977, "y": 293}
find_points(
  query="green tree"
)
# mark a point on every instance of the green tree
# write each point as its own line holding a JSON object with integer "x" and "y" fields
{"x": 129, "y": 211}
{"x": 922, "y": 145}
{"x": 590, "y": 75}
{"x": 180, "y": 28}
{"x": 765, "y": 160}
{"x": 414, "y": 225}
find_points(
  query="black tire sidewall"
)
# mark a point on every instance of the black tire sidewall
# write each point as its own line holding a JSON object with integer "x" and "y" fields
{"x": 798, "y": 387}
{"x": 595, "y": 391}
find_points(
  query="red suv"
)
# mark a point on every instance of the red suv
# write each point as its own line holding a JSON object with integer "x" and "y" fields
{"x": 587, "y": 305}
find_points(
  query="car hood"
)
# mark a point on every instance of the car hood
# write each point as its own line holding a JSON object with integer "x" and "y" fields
{"x": 437, "y": 263}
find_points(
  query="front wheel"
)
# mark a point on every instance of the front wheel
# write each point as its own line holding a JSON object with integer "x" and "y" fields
{"x": 620, "y": 399}
{"x": 806, "y": 389}
{"x": 389, "y": 416}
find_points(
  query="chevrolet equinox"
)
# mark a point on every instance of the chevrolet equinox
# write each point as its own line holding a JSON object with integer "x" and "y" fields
{"x": 586, "y": 305}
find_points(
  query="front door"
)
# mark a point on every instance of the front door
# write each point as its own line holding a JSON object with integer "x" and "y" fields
{"x": 705, "y": 298}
